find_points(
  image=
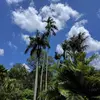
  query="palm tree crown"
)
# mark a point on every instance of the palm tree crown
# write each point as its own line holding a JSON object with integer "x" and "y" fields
{"x": 50, "y": 27}
{"x": 37, "y": 44}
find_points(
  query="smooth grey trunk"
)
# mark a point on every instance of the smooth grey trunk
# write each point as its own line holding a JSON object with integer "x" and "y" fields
{"x": 64, "y": 55}
{"x": 70, "y": 59}
{"x": 36, "y": 82}
{"x": 58, "y": 63}
{"x": 46, "y": 77}
{"x": 41, "y": 80}
{"x": 46, "y": 72}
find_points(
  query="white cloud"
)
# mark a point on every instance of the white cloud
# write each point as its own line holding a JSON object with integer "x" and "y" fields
{"x": 1, "y": 52}
{"x": 12, "y": 45}
{"x": 13, "y": 1}
{"x": 96, "y": 63}
{"x": 61, "y": 13}
{"x": 31, "y": 20}
{"x": 25, "y": 38}
{"x": 26, "y": 66}
{"x": 77, "y": 28}
{"x": 59, "y": 49}
{"x": 28, "y": 19}
{"x": 93, "y": 45}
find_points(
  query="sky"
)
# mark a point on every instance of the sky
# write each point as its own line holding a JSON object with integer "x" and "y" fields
{"x": 19, "y": 19}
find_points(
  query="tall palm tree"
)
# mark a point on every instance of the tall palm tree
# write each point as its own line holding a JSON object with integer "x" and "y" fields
{"x": 50, "y": 29}
{"x": 76, "y": 42}
{"x": 37, "y": 44}
{"x": 74, "y": 45}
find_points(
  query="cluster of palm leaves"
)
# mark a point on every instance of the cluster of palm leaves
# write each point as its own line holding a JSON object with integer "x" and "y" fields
{"x": 71, "y": 83}
{"x": 75, "y": 79}
{"x": 72, "y": 77}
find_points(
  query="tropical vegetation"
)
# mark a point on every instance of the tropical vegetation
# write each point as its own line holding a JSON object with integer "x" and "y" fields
{"x": 68, "y": 75}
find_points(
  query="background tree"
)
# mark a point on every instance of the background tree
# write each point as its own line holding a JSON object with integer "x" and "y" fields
{"x": 20, "y": 73}
{"x": 3, "y": 74}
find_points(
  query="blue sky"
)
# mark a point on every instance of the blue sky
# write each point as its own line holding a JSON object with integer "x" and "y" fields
{"x": 20, "y": 18}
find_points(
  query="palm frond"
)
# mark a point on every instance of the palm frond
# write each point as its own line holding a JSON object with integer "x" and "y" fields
{"x": 27, "y": 49}
{"x": 33, "y": 49}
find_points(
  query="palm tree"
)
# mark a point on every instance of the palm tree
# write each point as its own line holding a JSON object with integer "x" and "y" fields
{"x": 37, "y": 44}
{"x": 77, "y": 42}
{"x": 75, "y": 81}
{"x": 50, "y": 29}
{"x": 74, "y": 45}
{"x": 73, "y": 84}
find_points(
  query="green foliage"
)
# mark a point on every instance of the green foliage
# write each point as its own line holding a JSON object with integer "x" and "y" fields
{"x": 11, "y": 90}
{"x": 3, "y": 73}
{"x": 71, "y": 96}
{"x": 73, "y": 84}
{"x": 18, "y": 72}
{"x": 14, "y": 83}
{"x": 27, "y": 94}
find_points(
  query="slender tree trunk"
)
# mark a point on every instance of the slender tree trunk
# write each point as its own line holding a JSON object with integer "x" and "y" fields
{"x": 58, "y": 63}
{"x": 64, "y": 55}
{"x": 41, "y": 80}
{"x": 46, "y": 72}
{"x": 36, "y": 81}
{"x": 46, "y": 77}
{"x": 75, "y": 61}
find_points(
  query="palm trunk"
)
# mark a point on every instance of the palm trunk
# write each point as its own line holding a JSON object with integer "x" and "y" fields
{"x": 75, "y": 61}
{"x": 46, "y": 77}
{"x": 64, "y": 55}
{"x": 41, "y": 81}
{"x": 58, "y": 63}
{"x": 46, "y": 73}
{"x": 36, "y": 82}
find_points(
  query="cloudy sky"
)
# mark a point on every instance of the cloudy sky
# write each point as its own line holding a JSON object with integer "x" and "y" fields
{"x": 19, "y": 19}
